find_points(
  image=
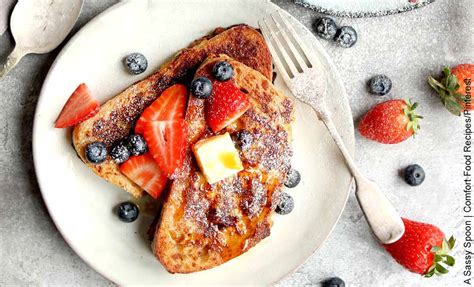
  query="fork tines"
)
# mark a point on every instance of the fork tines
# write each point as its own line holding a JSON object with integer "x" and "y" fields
{"x": 288, "y": 51}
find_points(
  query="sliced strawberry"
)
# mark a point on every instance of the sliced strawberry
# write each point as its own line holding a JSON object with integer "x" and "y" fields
{"x": 169, "y": 106}
{"x": 145, "y": 172}
{"x": 166, "y": 141}
{"x": 226, "y": 104}
{"x": 79, "y": 107}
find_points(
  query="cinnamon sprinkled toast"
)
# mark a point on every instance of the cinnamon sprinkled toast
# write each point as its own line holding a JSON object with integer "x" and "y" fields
{"x": 204, "y": 225}
{"x": 116, "y": 117}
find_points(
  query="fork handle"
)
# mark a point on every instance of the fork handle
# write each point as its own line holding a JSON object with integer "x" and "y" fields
{"x": 383, "y": 219}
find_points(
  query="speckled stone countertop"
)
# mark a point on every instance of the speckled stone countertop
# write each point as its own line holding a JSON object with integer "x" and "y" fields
{"x": 407, "y": 47}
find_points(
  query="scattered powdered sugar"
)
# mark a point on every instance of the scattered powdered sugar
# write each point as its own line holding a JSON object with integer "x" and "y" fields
{"x": 359, "y": 8}
{"x": 310, "y": 88}
{"x": 256, "y": 197}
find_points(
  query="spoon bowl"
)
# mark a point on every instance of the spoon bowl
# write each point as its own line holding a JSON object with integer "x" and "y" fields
{"x": 39, "y": 27}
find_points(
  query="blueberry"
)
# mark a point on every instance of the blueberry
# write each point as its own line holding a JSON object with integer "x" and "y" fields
{"x": 136, "y": 144}
{"x": 201, "y": 88}
{"x": 96, "y": 152}
{"x": 120, "y": 152}
{"x": 380, "y": 85}
{"x": 292, "y": 178}
{"x": 285, "y": 204}
{"x": 346, "y": 37}
{"x": 136, "y": 63}
{"x": 127, "y": 211}
{"x": 334, "y": 282}
{"x": 223, "y": 71}
{"x": 244, "y": 139}
{"x": 414, "y": 175}
{"x": 325, "y": 28}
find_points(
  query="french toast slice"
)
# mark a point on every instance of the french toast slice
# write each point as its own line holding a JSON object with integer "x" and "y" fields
{"x": 115, "y": 118}
{"x": 204, "y": 225}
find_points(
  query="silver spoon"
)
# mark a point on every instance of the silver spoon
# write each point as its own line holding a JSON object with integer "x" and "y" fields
{"x": 39, "y": 26}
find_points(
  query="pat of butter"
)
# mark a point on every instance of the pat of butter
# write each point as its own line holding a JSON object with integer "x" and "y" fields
{"x": 217, "y": 157}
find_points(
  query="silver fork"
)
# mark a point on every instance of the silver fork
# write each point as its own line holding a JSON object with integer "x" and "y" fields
{"x": 298, "y": 68}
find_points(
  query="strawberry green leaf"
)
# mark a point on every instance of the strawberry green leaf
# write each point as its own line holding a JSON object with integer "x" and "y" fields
{"x": 449, "y": 260}
{"x": 441, "y": 258}
{"x": 451, "y": 242}
{"x": 453, "y": 106}
{"x": 446, "y": 88}
{"x": 413, "y": 118}
{"x": 430, "y": 272}
{"x": 439, "y": 268}
{"x": 446, "y": 71}
{"x": 460, "y": 97}
{"x": 437, "y": 86}
{"x": 452, "y": 82}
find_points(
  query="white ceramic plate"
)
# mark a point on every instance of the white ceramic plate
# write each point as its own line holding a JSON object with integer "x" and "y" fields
{"x": 81, "y": 203}
{"x": 363, "y": 8}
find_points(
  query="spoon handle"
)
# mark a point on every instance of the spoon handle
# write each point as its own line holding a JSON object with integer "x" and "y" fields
{"x": 12, "y": 59}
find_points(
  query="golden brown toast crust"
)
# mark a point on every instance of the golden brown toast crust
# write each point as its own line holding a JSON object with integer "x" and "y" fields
{"x": 116, "y": 117}
{"x": 204, "y": 225}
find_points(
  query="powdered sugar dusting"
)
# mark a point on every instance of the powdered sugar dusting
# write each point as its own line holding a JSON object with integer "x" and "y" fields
{"x": 351, "y": 8}
{"x": 310, "y": 88}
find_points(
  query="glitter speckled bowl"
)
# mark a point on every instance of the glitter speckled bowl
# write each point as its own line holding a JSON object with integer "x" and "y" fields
{"x": 362, "y": 8}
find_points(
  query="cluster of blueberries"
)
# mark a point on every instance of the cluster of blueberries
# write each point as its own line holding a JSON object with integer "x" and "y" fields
{"x": 286, "y": 203}
{"x": 344, "y": 36}
{"x": 96, "y": 152}
{"x": 201, "y": 87}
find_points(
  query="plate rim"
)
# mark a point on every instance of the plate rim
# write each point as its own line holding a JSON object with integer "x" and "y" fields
{"x": 82, "y": 30}
{"x": 363, "y": 14}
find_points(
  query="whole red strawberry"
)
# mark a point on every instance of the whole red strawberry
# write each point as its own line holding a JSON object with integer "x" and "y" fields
{"x": 390, "y": 122}
{"x": 452, "y": 88}
{"x": 422, "y": 249}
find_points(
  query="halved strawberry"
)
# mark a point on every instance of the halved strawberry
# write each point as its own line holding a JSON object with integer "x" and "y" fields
{"x": 145, "y": 172}
{"x": 79, "y": 107}
{"x": 169, "y": 106}
{"x": 226, "y": 104}
{"x": 166, "y": 142}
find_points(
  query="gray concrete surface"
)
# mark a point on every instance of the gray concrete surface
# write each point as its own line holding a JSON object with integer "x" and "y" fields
{"x": 407, "y": 47}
